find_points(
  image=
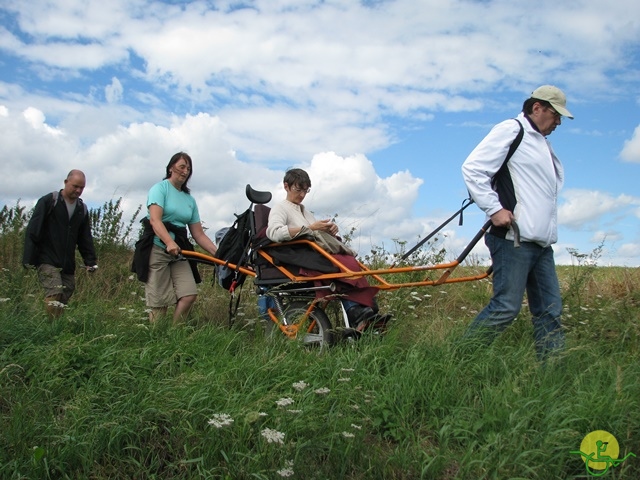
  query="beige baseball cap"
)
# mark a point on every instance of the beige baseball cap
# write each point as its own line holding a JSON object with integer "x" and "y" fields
{"x": 555, "y": 97}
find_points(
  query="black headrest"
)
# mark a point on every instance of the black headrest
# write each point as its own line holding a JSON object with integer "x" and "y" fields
{"x": 258, "y": 197}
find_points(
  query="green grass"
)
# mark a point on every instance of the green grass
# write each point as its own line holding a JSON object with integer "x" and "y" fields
{"x": 101, "y": 394}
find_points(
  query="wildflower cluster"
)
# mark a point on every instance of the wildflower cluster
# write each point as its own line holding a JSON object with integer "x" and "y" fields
{"x": 220, "y": 420}
{"x": 283, "y": 402}
{"x": 273, "y": 436}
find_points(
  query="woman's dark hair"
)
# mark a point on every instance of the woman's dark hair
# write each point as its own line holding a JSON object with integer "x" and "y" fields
{"x": 296, "y": 177}
{"x": 527, "y": 106}
{"x": 175, "y": 159}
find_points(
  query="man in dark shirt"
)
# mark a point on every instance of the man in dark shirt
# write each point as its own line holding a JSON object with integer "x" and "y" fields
{"x": 59, "y": 222}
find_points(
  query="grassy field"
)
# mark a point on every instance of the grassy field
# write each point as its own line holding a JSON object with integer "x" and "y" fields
{"x": 101, "y": 394}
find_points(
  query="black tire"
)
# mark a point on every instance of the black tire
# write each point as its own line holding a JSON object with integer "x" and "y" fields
{"x": 317, "y": 331}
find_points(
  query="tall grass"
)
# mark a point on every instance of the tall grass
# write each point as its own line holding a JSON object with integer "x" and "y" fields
{"x": 102, "y": 394}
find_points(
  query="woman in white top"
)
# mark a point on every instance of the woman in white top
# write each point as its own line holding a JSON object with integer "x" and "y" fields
{"x": 290, "y": 220}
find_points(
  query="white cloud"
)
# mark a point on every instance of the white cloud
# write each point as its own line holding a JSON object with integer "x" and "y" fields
{"x": 113, "y": 92}
{"x": 631, "y": 149}
{"x": 249, "y": 91}
{"x": 582, "y": 207}
{"x": 602, "y": 236}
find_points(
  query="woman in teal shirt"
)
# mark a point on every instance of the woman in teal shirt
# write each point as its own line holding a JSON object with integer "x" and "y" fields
{"x": 172, "y": 210}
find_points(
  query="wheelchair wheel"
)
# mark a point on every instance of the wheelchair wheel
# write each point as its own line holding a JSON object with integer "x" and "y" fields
{"x": 316, "y": 331}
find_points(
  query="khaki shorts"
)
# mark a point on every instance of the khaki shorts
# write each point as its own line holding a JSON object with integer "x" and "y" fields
{"x": 169, "y": 280}
{"x": 56, "y": 283}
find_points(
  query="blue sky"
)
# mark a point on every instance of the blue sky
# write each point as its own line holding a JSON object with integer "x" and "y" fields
{"x": 381, "y": 101}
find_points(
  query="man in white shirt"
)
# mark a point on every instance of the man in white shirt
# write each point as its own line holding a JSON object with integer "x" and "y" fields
{"x": 525, "y": 190}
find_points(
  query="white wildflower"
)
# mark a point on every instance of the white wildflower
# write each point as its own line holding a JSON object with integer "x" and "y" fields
{"x": 357, "y": 427}
{"x": 348, "y": 435}
{"x": 322, "y": 391}
{"x": 283, "y": 402}
{"x": 273, "y": 436}
{"x": 344, "y": 379}
{"x": 347, "y": 369}
{"x": 2, "y": 300}
{"x": 288, "y": 471}
{"x": 263, "y": 414}
{"x": 131, "y": 277}
{"x": 294, "y": 411}
{"x": 220, "y": 420}
{"x": 299, "y": 386}
{"x": 55, "y": 303}
{"x": 412, "y": 307}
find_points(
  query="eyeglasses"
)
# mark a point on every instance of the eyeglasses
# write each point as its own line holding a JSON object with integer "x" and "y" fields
{"x": 555, "y": 114}
{"x": 300, "y": 190}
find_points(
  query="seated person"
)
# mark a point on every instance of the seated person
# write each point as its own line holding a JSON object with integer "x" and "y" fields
{"x": 290, "y": 220}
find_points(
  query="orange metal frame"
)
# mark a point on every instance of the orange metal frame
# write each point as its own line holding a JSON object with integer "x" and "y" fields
{"x": 378, "y": 274}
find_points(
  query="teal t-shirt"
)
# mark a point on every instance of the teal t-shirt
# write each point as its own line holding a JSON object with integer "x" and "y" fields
{"x": 178, "y": 207}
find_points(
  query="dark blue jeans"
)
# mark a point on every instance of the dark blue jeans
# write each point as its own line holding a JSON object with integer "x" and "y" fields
{"x": 529, "y": 268}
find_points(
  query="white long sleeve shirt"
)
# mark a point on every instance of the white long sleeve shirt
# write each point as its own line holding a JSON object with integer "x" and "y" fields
{"x": 288, "y": 214}
{"x": 535, "y": 176}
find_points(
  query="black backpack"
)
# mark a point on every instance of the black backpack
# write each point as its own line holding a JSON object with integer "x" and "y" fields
{"x": 233, "y": 248}
{"x": 55, "y": 195}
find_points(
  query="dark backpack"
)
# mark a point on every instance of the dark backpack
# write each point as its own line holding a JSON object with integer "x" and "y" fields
{"x": 233, "y": 248}
{"x": 55, "y": 195}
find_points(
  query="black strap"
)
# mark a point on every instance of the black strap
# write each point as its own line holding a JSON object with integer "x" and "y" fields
{"x": 512, "y": 149}
{"x": 465, "y": 204}
{"x": 233, "y": 309}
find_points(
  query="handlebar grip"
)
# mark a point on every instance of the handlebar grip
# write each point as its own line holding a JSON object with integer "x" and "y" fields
{"x": 516, "y": 234}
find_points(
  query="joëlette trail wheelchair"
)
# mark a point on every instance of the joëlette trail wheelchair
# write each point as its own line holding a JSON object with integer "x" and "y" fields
{"x": 297, "y": 282}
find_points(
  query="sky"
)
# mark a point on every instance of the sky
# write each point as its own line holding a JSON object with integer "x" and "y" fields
{"x": 380, "y": 101}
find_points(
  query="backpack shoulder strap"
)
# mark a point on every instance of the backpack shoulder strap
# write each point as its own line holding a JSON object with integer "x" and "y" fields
{"x": 54, "y": 201}
{"x": 55, "y": 196}
{"x": 516, "y": 142}
{"x": 512, "y": 149}
{"x": 84, "y": 208}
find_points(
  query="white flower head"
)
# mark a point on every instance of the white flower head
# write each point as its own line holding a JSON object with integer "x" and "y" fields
{"x": 55, "y": 303}
{"x": 348, "y": 435}
{"x": 220, "y": 420}
{"x": 301, "y": 385}
{"x": 283, "y": 402}
{"x": 273, "y": 436}
{"x": 322, "y": 391}
{"x": 288, "y": 471}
